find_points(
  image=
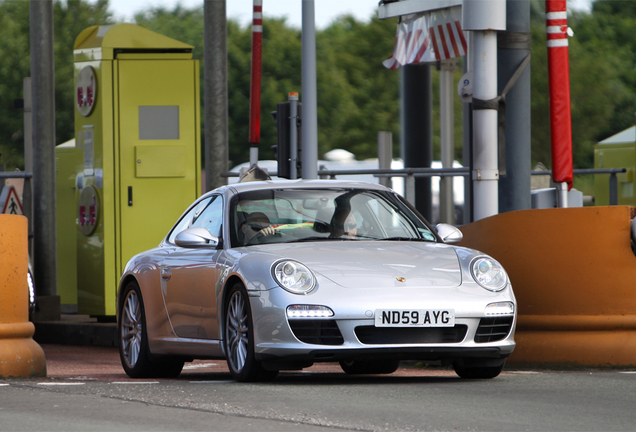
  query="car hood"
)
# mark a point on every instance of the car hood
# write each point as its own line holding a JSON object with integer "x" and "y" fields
{"x": 371, "y": 264}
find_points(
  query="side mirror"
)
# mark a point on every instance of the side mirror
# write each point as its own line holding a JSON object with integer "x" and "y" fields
{"x": 449, "y": 233}
{"x": 196, "y": 237}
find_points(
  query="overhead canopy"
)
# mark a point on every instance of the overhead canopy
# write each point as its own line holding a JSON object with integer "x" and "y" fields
{"x": 407, "y": 7}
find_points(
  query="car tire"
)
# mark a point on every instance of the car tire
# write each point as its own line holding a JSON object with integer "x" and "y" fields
{"x": 133, "y": 340}
{"x": 239, "y": 339}
{"x": 359, "y": 367}
{"x": 468, "y": 371}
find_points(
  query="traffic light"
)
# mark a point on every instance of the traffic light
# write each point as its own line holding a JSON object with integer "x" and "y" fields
{"x": 283, "y": 148}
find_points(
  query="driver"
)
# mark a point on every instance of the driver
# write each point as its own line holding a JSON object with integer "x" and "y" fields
{"x": 350, "y": 227}
{"x": 254, "y": 224}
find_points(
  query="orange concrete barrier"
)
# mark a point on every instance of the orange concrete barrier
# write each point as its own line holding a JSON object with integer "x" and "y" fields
{"x": 20, "y": 355}
{"x": 574, "y": 275}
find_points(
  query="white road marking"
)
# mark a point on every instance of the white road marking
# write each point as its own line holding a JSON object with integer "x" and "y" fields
{"x": 199, "y": 366}
{"x": 212, "y": 382}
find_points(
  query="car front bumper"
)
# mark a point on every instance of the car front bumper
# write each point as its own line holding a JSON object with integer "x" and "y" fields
{"x": 351, "y": 333}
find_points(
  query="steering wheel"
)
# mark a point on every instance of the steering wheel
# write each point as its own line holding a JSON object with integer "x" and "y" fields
{"x": 259, "y": 236}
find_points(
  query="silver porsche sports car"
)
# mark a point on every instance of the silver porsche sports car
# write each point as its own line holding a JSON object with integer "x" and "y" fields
{"x": 277, "y": 275}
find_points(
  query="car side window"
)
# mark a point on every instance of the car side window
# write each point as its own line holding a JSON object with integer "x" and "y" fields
{"x": 188, "y": 219}
{"x": 211, "y": 217}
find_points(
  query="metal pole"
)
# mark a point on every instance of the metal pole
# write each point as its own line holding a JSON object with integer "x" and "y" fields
{"x": 467, "y": 153}
{"x": 293, "y": 135}
{"x": 447, "y": 138}
{"x": 562, "y": 195}
{"x": 309, "y": 90}
{"x": 483, "y": 18}
{"x": 416, "y": 120}
{"x": 385, "y": 155}
{"x": 255, "y": 81}
{"x": 613, "y": 189}
{"x": 485, "y": 121}
{"x": 27, "y": 193}
{"x": 513, "y": 46}
{"x": 216, "y": 147}
{"x": 28, "y": 125}
{"x": 43, "y": 91}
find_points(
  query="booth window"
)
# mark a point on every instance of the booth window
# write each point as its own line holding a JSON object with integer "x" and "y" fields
{"x": 159, "y": 122}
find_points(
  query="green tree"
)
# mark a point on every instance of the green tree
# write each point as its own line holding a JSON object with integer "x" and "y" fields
{"x": 70, "y": 18}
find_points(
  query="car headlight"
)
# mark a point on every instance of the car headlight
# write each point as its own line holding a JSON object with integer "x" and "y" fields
{"x": 488, "y": 273}
{"x": 294, "y": 277}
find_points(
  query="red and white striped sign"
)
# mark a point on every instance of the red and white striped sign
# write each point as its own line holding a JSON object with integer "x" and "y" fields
{"x": 428, "y": 37}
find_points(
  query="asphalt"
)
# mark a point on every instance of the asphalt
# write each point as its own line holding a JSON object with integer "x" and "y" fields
{"x": 78, "y": 347}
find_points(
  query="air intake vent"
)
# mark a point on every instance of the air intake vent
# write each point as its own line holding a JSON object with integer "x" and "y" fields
{"x": 408, "y": 335}
{"x": 493, "y": 329}
{"x": 317, "y": 331}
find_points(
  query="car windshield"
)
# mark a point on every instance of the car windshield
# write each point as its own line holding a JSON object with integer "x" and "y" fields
{"x": 301, "y": 215}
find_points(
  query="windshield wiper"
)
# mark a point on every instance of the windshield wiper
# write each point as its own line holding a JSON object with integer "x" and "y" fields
{"x": 315, "y": 238}
{"x": 404, "y": 239}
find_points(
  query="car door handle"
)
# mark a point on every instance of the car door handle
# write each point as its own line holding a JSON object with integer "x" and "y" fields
{"x": 166, "y": 273}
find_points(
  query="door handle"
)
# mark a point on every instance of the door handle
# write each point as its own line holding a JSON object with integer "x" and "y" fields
{"x": 166, "y": 273}
{"x": 129, "y": 196}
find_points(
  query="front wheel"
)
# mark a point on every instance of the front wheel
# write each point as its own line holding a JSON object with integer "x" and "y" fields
{"x": 239, "y": 339}
{"x": 133, "y": 340}
{"x": 467, "y": 370}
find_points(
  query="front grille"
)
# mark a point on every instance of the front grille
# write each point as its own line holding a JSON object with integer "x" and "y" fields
{"x": 409, "y": 335}
{"x": 493, "y": 329}
{"x": 317, "y": 331}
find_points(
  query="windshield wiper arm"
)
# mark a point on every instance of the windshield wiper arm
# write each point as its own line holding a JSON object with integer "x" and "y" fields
{"x": 311, "y": 239}
{"x": 403, "y": 239}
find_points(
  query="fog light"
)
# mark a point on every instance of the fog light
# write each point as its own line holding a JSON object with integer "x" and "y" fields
{"x": 308, "y": 311}
{"x": 501, "y": 308}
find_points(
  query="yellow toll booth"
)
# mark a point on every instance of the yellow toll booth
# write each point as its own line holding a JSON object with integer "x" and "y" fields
{"x": 135, "y": 163}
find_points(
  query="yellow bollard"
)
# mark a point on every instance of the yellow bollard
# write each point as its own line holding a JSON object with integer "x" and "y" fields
{"x": 20, "y": 355}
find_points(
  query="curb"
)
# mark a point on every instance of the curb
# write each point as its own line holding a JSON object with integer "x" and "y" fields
{"x": 78, "y": 330}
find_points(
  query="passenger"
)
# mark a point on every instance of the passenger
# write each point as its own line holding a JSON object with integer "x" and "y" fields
{"x": 254, "y": 224}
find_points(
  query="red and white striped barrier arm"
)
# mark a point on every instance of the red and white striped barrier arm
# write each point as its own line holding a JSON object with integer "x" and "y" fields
{"x": 559, "y": 85}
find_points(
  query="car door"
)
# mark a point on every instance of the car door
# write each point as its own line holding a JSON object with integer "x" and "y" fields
{"x": 189, "y": 276}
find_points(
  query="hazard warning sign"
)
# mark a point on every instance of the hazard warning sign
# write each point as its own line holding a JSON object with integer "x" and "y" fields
{"x": 9, "y": 201}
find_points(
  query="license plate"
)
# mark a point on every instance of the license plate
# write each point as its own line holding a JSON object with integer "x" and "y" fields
{"x": 415, "y": 318}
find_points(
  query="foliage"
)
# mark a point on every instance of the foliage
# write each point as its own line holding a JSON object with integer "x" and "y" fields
{"x": 357, "y": 96}
{"x": 596, "y": 88}
{"x": 70, "y": 18}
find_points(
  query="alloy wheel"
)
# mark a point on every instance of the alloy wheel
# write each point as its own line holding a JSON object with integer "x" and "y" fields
{"x": 237, "y": 332}
{"x": 131, "y": 328}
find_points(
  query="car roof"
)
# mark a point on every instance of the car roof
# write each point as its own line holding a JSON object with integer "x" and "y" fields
{"x": 298, "y": 184}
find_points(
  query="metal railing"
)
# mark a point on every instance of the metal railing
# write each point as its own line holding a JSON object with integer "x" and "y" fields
{"x": 613, "y": 181}
{"x": 408, "y": 173}
{"x": 411, "y": 173}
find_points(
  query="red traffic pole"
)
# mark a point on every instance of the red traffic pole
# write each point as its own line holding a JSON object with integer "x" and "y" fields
{"x": 255, "y": 83}
{"x": 559, "y": 79}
